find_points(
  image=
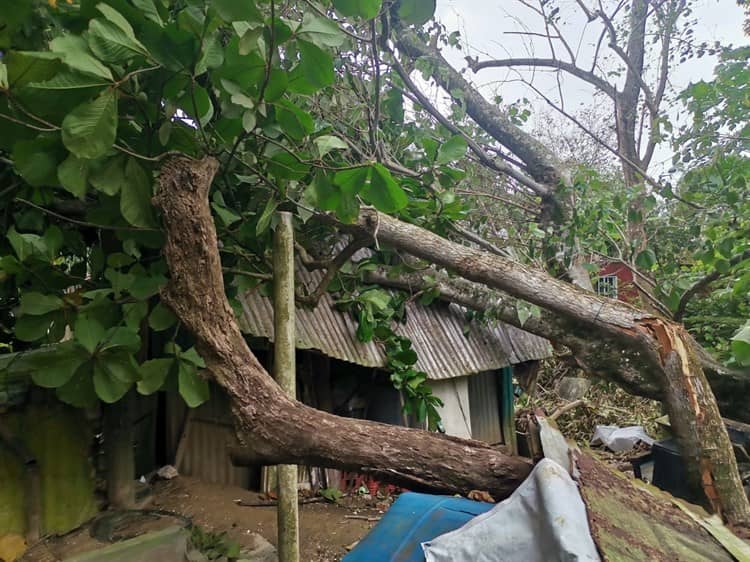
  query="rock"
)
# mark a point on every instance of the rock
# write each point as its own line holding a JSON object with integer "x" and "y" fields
{"x": 573, "y": 388}
{"x": 167, "y": 472}
{"x": 260, "y": 551}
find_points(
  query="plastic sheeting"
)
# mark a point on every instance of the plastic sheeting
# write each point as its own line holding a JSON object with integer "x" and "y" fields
{"x": 544, "y": 520}
{"x": 620, "y": 439}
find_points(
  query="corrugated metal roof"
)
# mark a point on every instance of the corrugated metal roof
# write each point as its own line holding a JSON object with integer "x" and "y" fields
{"x": 436, "y": 332}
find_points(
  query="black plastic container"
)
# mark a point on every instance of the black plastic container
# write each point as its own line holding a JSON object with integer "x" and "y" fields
{"x": 669, "y": 470}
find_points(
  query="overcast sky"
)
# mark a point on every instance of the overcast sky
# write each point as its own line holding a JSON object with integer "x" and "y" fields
{"x": 489, "y": 29}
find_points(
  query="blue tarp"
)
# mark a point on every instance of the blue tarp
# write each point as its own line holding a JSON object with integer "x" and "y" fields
{"x": 411, "y": 520}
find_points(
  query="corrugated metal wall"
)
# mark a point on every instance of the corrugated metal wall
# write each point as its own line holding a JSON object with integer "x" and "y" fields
{"x": 485, "y": 409}
{"x": 209, "y": 433}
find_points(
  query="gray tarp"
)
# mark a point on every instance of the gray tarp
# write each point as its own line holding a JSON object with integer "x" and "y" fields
{"x": 543, "y": 521}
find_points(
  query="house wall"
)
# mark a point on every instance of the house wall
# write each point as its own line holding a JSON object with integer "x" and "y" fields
{"x": 59, "y": 437}
{"x": 456, "y": 412}
{"x": 627, "y": 291}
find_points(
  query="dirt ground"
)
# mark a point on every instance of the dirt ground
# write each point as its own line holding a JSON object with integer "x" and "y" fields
{"x": 326, "y": 530}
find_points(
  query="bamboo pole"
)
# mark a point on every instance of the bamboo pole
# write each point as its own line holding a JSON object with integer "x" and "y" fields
{"x": 285, "y": 373}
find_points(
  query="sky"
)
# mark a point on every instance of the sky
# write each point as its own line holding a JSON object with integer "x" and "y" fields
{"x": 489, "y": 29}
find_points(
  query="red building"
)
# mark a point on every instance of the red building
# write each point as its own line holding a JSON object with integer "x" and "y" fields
{"x": 617, "y": 280}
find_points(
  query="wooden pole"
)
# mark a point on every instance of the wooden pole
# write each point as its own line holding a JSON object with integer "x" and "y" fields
{"x": 285, "y": 373}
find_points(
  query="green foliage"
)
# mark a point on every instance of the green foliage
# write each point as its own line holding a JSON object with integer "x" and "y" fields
{"x": 213, "y": 546}
{"x": 378, "y": 311}
{"x": 332, "y": 495}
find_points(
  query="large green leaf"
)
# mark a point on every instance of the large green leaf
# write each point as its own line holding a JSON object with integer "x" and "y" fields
{"x": 121, "y": 338}
{"x": 366, "y": 9}
{"x": 135, "y": 199}
{"x": 111, "y": 43}
{"x": 327, "y": 196}
{"x": 741, "y": 346}
{"x": 108, "y": 388}
{"x": 234, "y": 10}
{"x": 110, "y": 177}
{"x": 71, "y": 80}
{"x": 153, "y": 375}
{"x": 161, "y": 318}
{"x": 73, "y": 174}
{"x": 416, "y": 12}
{"x": 79, "y": 390}
{"x": 383, "y": 191}
{"x": 121, "y": 365}
{"x": 88, "y": 332}
{"x": 37, "y": 160}
{"x": 24, "y": 67}
{"x": 56, "y": 367}
{"x": 316, "y": 65}
{"x": 76, "y": 53}
{"x": 193, "y": 388}
{"x": 320, "y": 30}
{"x": 327, "y": 143}
{"x": 39, "y": 303}
{"x": 27, "y": 245}
{"x": 352, "y": 181}
{"x": 646, "y": 259}
{"x": 294, "y": 121}
{"x": 90, "y": 130}
{"x": 191, "y": 356}
{"x": 32, "y": 328}
{"x": 149, "y": 11}
{"x": 453, "y": 149}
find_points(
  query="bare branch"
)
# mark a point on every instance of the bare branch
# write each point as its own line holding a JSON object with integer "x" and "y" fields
{"x": 333, "y": 268}
{"x": 702, "y": 283}
{"x": 568, "y": 67}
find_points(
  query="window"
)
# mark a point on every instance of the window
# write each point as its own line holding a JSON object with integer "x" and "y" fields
{"x": 606, "y": 286}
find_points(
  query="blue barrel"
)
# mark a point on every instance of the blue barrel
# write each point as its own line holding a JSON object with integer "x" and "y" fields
{"x": 411, "y": 520}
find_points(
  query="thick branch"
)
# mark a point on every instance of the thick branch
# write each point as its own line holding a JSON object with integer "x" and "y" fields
{"x": 484, "y": 158}
{"x": 568, "y": 67}
{"x": 539, "y": 161}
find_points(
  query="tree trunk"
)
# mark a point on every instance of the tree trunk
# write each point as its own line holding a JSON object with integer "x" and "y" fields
{"x": 278, "y": 429}
{"x": 609, "y": 337}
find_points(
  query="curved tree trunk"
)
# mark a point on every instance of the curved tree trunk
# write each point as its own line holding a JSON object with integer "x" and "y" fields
{"x": 278, "y": 429}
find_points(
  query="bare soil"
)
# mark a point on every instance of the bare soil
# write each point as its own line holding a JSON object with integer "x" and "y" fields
{"x": 327, "y": 531}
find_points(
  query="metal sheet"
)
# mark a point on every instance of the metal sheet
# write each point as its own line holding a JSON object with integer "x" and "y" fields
{"x": 484, "y": 408}
{"x": 209, "y": 434}
{"x": 437, "y": 334}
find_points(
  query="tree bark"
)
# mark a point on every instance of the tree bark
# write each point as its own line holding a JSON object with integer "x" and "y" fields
{"x": 285, "y": 373}
{"x": 609, "y": 337}
{"x": 278, "y": 429}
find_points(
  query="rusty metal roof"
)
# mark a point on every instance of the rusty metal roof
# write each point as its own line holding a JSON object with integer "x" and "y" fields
{"x": 436, "y": 332}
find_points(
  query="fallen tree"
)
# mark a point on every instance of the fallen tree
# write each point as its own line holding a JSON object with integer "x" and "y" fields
{"x": 281, "y": 430}
{"x": 88, "y": 118}
{"x": 277, "y": 429}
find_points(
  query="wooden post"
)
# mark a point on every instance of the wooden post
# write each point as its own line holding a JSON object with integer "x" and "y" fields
{"x": 118, "y": 453}
{"x": 285, "y": 373}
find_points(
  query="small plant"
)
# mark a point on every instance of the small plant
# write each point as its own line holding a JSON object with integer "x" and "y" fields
{"x": 332, "y": 495}
{"x": 214, "y": 547}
